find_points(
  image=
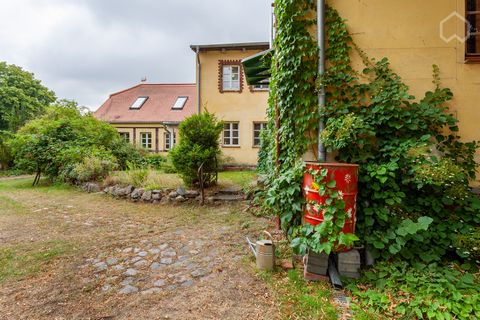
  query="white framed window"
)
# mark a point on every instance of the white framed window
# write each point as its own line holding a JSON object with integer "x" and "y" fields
{"x": 231, "y": 78}
{"x": 137, "y": 104}
{"x": 180, "y": 103}
{"x": 169, "y": 143}
{"x": 257, "y": 130}
{"x": 125, "y": 136}
{"x": 167, "y": 140}
{"x": 231, "y": 134}
{"x": 146, "y": 140}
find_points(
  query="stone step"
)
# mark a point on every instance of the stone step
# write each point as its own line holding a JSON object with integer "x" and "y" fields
{"x": 230, "y": 191}
{"x": 228, "y": 197}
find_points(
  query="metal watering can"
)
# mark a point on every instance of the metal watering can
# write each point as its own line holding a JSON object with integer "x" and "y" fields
{"x": 264, "y": 251}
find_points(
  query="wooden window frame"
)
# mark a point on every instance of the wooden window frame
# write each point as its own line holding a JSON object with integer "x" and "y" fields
{"x": 230, "y": 137}
{"x": 149, "y": 141}
{"x": 472, "y": 57}
{"x": 225, "y": 63}
{"x": 263, "y": 125}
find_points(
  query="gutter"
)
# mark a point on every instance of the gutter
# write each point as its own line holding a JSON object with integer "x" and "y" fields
{"x": 199, "y": 73}
{"x": 322, "y": 153}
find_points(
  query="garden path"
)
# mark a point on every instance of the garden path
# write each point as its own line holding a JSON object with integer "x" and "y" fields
{"x": 65, "y": 254}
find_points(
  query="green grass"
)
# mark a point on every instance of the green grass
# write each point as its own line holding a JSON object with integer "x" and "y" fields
{"x": 26, "y": 184}
{"x": 240, "y": 178}
{"x": 299, "y": 299}
{"x": 23, "y": 260}
{"x": 9, "y": 206}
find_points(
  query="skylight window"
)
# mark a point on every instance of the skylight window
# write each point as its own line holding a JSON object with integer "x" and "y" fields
{"x": 138, "y": 103}
{"x": 180, "y": 103}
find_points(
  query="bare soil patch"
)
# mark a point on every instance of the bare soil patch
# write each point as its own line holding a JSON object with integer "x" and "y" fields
{"x": 76, "y": 253}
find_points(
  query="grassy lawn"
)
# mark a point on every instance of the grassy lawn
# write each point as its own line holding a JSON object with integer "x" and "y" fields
{"x": 153, "y": 179}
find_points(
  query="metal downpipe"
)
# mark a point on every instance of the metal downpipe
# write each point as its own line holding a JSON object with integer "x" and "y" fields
{"x": 199, "y": 77}
{"x": 322, "y": 153}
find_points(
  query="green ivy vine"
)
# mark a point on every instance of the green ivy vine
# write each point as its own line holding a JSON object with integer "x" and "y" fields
{"x": 327, "y": 236}
{"x": 413, "y": 200}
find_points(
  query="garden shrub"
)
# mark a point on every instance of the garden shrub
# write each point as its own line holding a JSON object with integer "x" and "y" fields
{"x": 155, "y": 161}
{"x": 93, "y": 168}
{"x": 199, "y": 144}
{"x": 126, "y": 153}
{"x": 57, "y": 142}
{"x": 5, "y": 152}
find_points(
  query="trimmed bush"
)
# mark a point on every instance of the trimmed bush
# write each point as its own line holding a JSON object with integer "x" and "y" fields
{"x": 199, "y": 144}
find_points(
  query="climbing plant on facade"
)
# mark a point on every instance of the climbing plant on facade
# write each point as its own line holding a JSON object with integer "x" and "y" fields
{"x": 413, "y": 199}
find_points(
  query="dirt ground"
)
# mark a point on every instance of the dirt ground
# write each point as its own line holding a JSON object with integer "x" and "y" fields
{"x": 72, "y": 255}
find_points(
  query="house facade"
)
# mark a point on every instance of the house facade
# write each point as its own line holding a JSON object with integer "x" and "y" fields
{"x": 414, "y": 35}
{"x": 148, "y": 115}
{"x": 222, "y": 90}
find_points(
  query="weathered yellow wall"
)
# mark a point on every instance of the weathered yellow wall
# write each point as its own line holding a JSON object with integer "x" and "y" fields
{"x": 408, "y": 33}
{"x": 245, "y": 108}
{"x": 140, "y": 128}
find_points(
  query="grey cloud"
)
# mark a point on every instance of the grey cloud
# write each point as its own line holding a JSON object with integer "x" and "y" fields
{"x": 113, "y": 43}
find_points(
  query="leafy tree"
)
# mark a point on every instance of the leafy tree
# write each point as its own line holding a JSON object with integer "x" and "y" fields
{"x": 199, "y": 144}
{"x": 22, "y": 97}
{"x": 57, "y": 142}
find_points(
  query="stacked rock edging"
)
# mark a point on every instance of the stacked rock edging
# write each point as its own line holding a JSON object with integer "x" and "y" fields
{"x": 164, "y": 196}
{"x": 152, "y": 196}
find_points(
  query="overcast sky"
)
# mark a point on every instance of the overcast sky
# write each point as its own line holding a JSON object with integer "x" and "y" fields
{"x": 86, "y": 49}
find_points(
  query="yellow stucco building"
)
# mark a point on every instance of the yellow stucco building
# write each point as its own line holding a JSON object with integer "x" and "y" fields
{"x": 222, "y": 90}
{"x": 414, "y": 35}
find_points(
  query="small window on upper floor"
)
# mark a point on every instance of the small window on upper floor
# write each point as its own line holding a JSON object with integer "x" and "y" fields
{"x": 473, "y": 41}
{"x": 231, "y": 78}
{"x": 138, "y": 103}
{"x": 180, "y": 103}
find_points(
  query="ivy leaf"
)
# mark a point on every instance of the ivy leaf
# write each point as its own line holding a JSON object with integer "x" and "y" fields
{"x": 332, "y": 184}
{"x": 378, "y": 245}
{"x": 424, "y": 222}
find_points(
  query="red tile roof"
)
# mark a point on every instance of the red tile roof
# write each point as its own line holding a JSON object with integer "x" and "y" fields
{"x": 157, "y": 108}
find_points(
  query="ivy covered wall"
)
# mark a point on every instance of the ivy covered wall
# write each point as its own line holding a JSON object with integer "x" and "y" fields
{"x": 414, "y": 200}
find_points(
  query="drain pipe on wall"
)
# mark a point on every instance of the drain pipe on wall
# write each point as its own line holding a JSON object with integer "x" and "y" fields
{"x": 322, "y": 153}
{"x": 199, "y": 74}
